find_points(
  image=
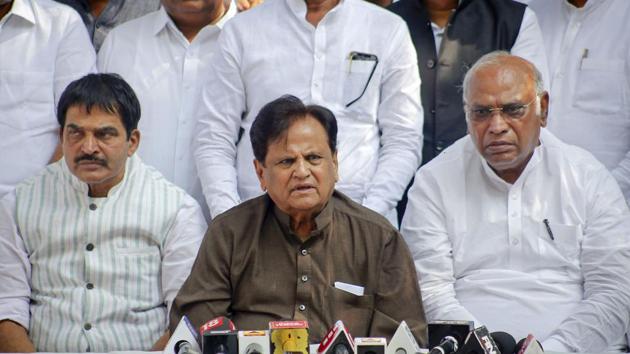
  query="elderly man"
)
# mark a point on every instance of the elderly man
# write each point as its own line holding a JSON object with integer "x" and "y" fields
{"x": 96, "y": 246}
{"x": 161, "y": 55}
{"x": 322, "y": 52}
{"x": 588, "y": 47}
{"x": 43, "y": 46}
{"x": 512, "y": 228}
{"x": 302, "y": 251}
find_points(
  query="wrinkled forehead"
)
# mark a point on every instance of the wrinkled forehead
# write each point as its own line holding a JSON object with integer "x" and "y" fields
{"x": 500, "y": 84}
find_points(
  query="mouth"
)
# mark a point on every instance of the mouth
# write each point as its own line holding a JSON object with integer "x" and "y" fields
{"x": 303, "y": 188}
{"x": 497, "y": 147}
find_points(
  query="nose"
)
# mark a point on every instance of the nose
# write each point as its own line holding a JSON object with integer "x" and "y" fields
{"x": 498, "y": 124}
{"x": 89, "y": 144}
{"x": 301, "y": 169}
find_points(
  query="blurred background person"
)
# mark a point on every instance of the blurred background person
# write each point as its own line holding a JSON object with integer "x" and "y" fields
{"x": 164, "y": 56}
{"x": 588, "y": 48}
{"x": 44, "y": 46}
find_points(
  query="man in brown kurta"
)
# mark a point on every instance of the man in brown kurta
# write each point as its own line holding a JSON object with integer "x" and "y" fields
{"x": 302, "y": 251}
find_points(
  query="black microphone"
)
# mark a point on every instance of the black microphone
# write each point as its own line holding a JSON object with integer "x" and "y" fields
{"x": 184, "y": 347}
{"x": 219, "y": 336}
{"x": 504, "y": 341}
{"x": 448, "y": 345}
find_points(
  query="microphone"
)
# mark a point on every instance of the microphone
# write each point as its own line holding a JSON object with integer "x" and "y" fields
{"x": 337, "y": 341}
{"x": 253, "y": 342}
{"x": 289, "y": 336}
{"x": 403, "y": 341}
{"x": 184, "y": 339}
{"x": 447, "y": 336}
{"x": 479, "y": 341}
{"x": 184, "y": 347}
{"x": 219, "y": 336}
{"x": 370, "y": 345}
{"x": 504, "y": 341}
{"x": 448, "y": 345}
{"x": 528, "y": 345}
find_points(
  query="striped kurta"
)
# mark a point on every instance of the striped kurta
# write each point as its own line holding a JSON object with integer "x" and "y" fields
{"x": 96, "y": 262}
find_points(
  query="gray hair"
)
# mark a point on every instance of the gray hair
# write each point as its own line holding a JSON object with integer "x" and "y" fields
{"x": 496, "y": 58}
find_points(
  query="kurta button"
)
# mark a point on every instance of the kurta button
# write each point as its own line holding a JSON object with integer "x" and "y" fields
{"x": 92, "y": 206}
{"x": 89, "y": 286}
{"x": 89, "y": 247}
{"x": 430, "y": 63}
{"x": 87, "y": 326}
{"x": 515, "y": 242}
{"x": 302, "y": 308}
{"x": 304, "y": 252}
{"x": 304, "y": 278}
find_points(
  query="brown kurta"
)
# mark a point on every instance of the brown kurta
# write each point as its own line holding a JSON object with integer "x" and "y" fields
{"x": 253, "y": 269}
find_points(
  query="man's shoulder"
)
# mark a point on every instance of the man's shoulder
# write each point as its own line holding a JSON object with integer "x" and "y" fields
{"x": 568, "y": 154}
{"x": 130, "y": 30}
{"x": 247, "y": 210}
{"x": 154, "y": 178}
{"x": 452, "y": 158}
{"x": 344, "y": 207}
{"x": 52, "y": 172}
{"x": 48, "y": 9}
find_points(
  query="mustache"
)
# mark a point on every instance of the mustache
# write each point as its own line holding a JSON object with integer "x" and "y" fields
{"x": 91, "y": 158}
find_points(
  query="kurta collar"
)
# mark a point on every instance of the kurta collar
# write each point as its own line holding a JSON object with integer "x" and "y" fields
{"x": 298, "y": 8}
{"x": 23, "y": 9}
{"x": 163, "y": 20}
{"x": 82, "y": 187}
{"x": 590, "y": 6}
{"x": 322, "y": 220}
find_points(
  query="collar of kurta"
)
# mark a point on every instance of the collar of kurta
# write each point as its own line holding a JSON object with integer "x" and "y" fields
{"x": 23, "y": 9}
{"x": 163, "y": 20}
{"x": 298, "y": 8}
{"x": 82, "y": 187}
{"x": 322, "y": 220}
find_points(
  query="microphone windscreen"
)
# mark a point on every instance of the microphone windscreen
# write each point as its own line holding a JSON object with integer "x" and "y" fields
{"x": 504, "y": 341}
{"x": 221, "y": 323}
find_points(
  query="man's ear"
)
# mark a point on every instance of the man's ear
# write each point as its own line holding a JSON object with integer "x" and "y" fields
{"x": 544, "y": 108}
{"x": 134, "y": 142}
{"x": 336, "y": 164}
{"x": 260, "y": 172}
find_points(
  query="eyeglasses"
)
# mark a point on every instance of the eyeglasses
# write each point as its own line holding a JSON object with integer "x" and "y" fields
{"x": 513, "y": 111}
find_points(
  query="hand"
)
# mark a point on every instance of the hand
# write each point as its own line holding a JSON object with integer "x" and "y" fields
{"x": 243, "y": 5}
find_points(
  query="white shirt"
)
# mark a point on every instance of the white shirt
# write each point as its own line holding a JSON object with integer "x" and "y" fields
{"x": 528, "y": 44}
{"x": 483, "y": 252}
{"x": 271, "y": 50}
{"x": 95, "y": 274}
{"x": 164, "y": 69}
{"x": 44, "y": 46}
{"x": 589, "y": 60}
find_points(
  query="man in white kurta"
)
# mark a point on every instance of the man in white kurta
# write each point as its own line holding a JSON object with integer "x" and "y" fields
{"x": 516, "y": 230}
{"x": 43, "y": 47}
{"x": 165, "y": 67}
{"x": 588, "y": 48}
{"x": 95, "y": 247}
{"x": 348, "y": 55}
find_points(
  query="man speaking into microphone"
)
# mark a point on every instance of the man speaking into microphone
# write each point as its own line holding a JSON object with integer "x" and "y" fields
{"x": 302, "y": 251}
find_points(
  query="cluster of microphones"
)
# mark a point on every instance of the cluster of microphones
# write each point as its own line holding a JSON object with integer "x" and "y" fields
{"x": 220, "y": 336}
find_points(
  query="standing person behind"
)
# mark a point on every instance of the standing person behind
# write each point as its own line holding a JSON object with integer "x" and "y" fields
{"x": 162, "y": 56}
{"x": 96, "y": 246}
{"x": 322, "y": 52}
{"x": 588, "y": 47}
{"x": 512, "y": 228}
{"x": 449, "y": 37}
{"x": 43, "y": 46}
{"x": 101, "y": 16}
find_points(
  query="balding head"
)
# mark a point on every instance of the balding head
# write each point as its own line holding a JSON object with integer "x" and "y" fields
{"x": 504, "y": 59}
{"x": 505, "y": 108}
